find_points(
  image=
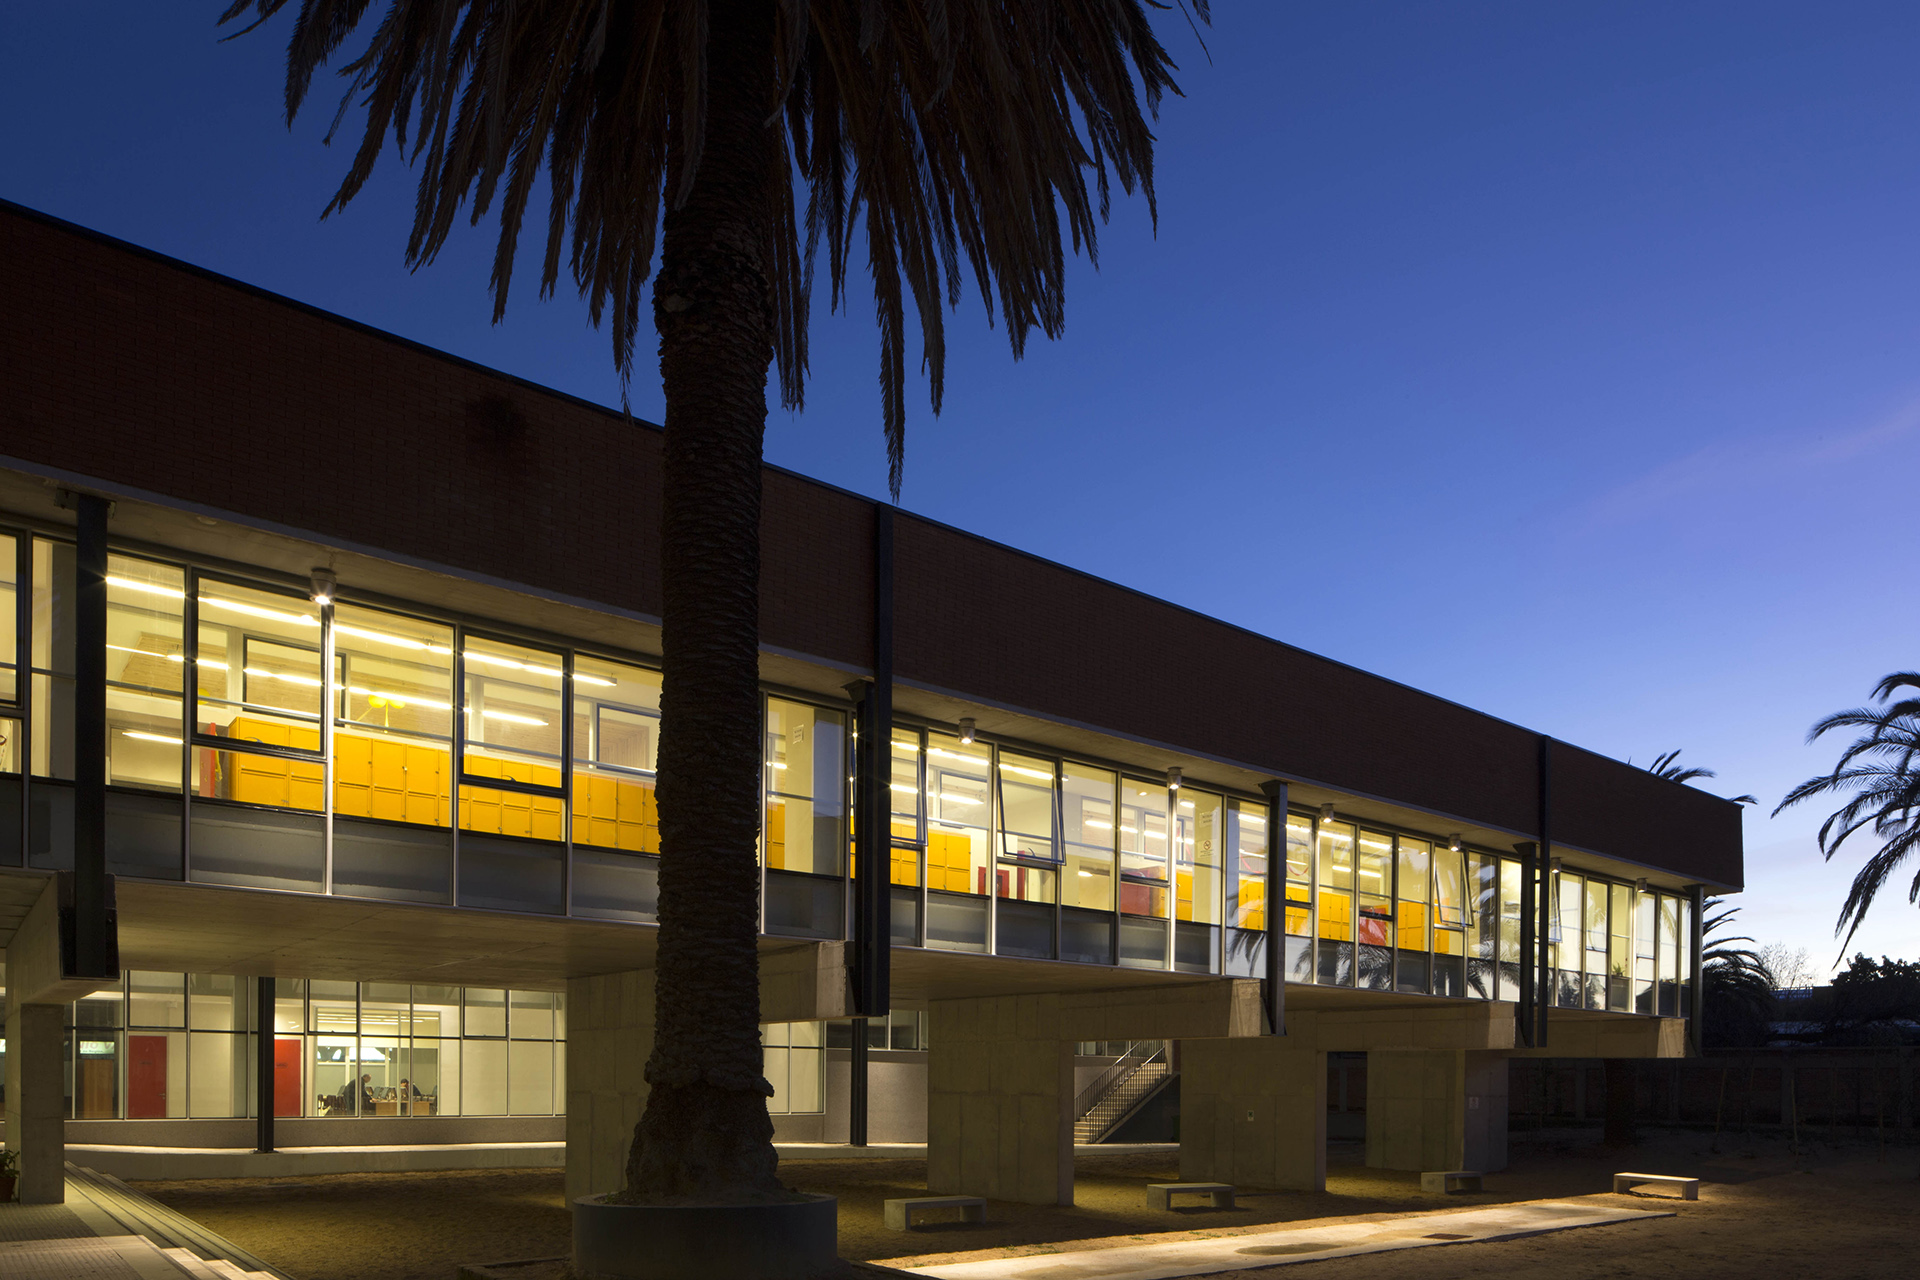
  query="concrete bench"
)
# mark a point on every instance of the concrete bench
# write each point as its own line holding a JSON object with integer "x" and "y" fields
{"x": 1452, "y": 1180}
{"x": 1160, "y": 1194}
{"x": 899, "y": 1213}
{"x": 1689, "y": 1188}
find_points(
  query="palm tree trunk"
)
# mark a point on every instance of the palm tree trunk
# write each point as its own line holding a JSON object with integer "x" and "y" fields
{"x": 705, "y": 1136}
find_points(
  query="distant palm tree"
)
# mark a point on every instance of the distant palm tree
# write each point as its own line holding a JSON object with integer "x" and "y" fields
{"x": 951, "y": 136}
{"x": 1881, "y": 768}
{"x": 1736, "y": 985}
{"x": 1664, "y": 767}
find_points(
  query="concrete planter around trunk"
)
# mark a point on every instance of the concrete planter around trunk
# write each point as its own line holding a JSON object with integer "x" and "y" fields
{"x": 795, "y": 1241}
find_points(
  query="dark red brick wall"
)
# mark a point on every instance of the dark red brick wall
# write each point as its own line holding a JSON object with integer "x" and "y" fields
{"x": 142, "y": 372}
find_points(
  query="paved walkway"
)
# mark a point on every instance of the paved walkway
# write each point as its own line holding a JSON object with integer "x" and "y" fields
{"x": 107, "y": 1231}
{"x": 1298, "y": 1244}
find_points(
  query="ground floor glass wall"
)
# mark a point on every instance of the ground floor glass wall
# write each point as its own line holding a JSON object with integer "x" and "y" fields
{"x": 168, "y": 1046}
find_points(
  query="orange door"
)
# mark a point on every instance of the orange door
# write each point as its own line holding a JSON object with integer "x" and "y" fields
{"x": 146, "y": 1077}
{"x": 286, "y": 1076}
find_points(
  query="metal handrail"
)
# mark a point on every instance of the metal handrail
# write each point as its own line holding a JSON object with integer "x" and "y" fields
{"x": 1136, "y": 1057}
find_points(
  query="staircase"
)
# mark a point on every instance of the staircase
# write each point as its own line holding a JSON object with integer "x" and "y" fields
{"x": 189, "y": 1247}
{"x": 1120, "y": 1090}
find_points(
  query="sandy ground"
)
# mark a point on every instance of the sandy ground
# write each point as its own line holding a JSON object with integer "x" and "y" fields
{"x": 1825, "y": 1209}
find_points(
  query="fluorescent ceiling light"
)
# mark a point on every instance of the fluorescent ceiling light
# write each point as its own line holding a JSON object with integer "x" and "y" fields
{"x": 148, "y": 737}
{"x": 150, "y": 588}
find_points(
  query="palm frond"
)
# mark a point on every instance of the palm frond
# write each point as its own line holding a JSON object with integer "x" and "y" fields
{"x": 956, "y": 138}
{"x": 1877, "y": 774}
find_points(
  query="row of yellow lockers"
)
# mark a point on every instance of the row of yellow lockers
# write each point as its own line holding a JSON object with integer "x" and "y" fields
{"x": 401, "y": 781}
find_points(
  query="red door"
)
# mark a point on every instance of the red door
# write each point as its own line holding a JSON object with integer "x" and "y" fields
{"x": 146, "y": 1077}
{"x": 286, "y": 1077}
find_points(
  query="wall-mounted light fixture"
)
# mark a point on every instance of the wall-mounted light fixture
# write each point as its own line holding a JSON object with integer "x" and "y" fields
{"x": 1173, "y": 779}
{"x": 1553, "y": 865}
{"x": 966, "y": 732}
{"x": 1453, "y": 842}
{"x": 323, "y": 584}
{"x": 1641, "y": 884}
{"x": 1326, "y": 813}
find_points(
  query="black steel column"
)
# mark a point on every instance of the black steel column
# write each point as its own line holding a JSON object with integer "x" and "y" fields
{"x": 93, "y": 950}
{"x": 1544, "y": 933}
{"x": 873, "y": 838}
{"x": 1274, "y": 990}
{"x": 857, "y": 1086}
{"x": 263, "y": 1061}
{"x": 1524, "y": 1015}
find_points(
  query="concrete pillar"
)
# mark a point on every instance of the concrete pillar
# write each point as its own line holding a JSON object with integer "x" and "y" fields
{"x": 1434, "y": 1109}
{"x": 36, "y": 1101}
{"x": 609, "y": 1039}
{"x": 1253, "y": 1112}
{"x": 1000, "y": 1099}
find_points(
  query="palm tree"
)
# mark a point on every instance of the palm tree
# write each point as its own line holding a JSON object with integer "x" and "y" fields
{"x": 1663, "y": 766}
{"x": 1878, "y": 768}
{"x": 949, "y": 133}
{"x": 1736, "y": 985}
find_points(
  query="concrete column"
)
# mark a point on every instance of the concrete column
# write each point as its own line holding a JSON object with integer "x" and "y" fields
{"x": 1433, "y": 1109}
{"x": 1253, "y": 1112}
{"x": 1000, "y": 1099}
{"x": 36, "y": 1101}
{"x": 609, "y": 1039}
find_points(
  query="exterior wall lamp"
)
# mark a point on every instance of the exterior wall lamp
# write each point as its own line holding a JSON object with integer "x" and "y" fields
{"x": 323, "y": 584}
{"x": 1173, "y": 779}
{"x": 1453, "y": 842}
{"x": 1326, "y": 813}
{"x": 966, "y": 731}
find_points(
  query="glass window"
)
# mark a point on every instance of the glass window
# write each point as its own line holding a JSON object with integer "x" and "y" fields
{"x": 146, "y": 669}
{"x": 218, "y": 1069}
{"x": 1086, "y": 826}
{"x": 1335, "y": 904}
{"x": 806, "y": 768}
{"x": 1411, "y": 894}
{"x": 156, "y": 999}
{"x": 393, "y": 726}
{"x": 258, "y": 666}
{"x": 1513, "y": 892}
{"x": 957, "y": 813}
{"x": 1143, "y": 847}
{"x": 53, "y": 606}
{"x": 1568, "y": 931}
{"x": 483, "y": 1078}
{"x": 1026, "y": 807}
{"x": 1247, "y": 908}
{"x": 616, "y": 736}
{"x": 433, "y": 1083}
{"x": 52, "y": 658}
{"x": 530, "y": 1078}
{"x": 791, "y": 1055}
{"x": 1336, "y": 881}
{"x": 1026, "y": 835}
{"x": 531, "y": 1015}
{"x": 486, "y": 1011}
{"x": 1669, "y": 958}
{"x": 1483, "y": 923}
{"x": 436, "y": 1011}
{"x": 217, "y": 1002}
{"x": 511, "y": 711}
{"x": 1199, "y": 824}
{"x": 1374, "y": 879}
{"x": 903, "y": 791}
{"x": 1620, "y": 948}
{"x": 9, "y": 617}
{"x": 9, "y": 755}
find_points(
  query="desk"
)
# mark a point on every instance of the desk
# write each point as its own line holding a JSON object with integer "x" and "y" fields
{"x": 397, "y": 1107}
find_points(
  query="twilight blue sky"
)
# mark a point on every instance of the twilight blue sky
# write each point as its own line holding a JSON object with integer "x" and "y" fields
{"x": 1558, "y": 359}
